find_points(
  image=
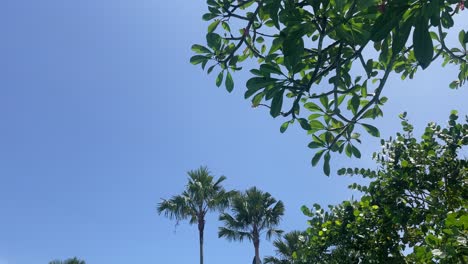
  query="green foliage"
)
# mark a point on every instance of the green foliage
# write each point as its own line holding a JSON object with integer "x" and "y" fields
{"x": 254, "y": 213}
{"x": 68, "y": 261}
{"x": 414, "y": 209}
{"x": 287, "y": 248}
{"x": 305, "y": 51}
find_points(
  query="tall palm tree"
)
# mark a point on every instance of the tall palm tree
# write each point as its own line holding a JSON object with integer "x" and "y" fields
{"x": 68, "y": 261}
{"x": 254, "y": 213}
{"x": 202, "y": 195}
{"x": 285, "y": 248}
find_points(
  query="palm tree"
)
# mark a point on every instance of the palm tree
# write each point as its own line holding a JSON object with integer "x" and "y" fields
{"x": 201, "y": 195}
{"x": 68, "y": 261}
{"x": 254, "y": 213}
{"x": 285, "y": 248}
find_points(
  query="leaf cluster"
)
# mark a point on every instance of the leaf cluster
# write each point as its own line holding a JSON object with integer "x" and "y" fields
{"x": 324, "y": 63}
{"x": 413, "y": 211}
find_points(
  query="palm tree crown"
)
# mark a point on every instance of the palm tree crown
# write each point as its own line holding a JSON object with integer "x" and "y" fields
{"x": 254, "y": 213}
{"x": 68, "y": 261}
{"x": 202, "y": 195}
{"x": 286, "y": 248}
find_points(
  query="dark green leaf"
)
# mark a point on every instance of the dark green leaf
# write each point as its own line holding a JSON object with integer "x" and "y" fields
{"x": 355, "y": 101}
{"x": 213, "y": 40}
{"x": 197, "y": 59}
{"x": 371, "y": 130}
{"x": 200, "y": 49}
{"x": 304, "y": 124}
{"x": 229, "y": 82}
{"x": 401, "y": 36}
{"x": 326, "y": 163}
{"x": 276, "y": 104}
{"x": 356, "y": 152}
{"x": 209, "y": 16}
{"x": 423, "y": 47}
{"x": 317, "y": 157}
{"x": 256, "y": 83}
{"x": 267, "y": 68}
{"x": 314, "y": 144}
{"x": 219, "y": 79}
{"x": 276, "y": 45}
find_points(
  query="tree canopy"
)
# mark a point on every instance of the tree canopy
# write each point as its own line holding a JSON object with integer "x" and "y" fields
{"x": 414, "y": 210}
{"x": 74, "y": 260}
{"x": 324, "y": 63}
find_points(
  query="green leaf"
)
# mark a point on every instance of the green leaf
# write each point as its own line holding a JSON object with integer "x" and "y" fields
{"x": 304, "y": 124}
{"x": 316, "y": 125}
{"x": 267, "y": 68}
{"x": 348, "y": 150}
{"x": 423, "y": 47}
{"x": 256, "y": 83}
{"x": 317, "y": 157}
{"x": 275, "y": 45}
{"x": 371, "y": 130}
{"x": 209, "y": 16}
{"x": 226, "y": 26}
{"x": 212, "y": 27}
{"x": 284, "y": 126}
{"x": 356, "y": 152}
{"x": 312, "y": 107}
{"x": 219, "y": 79}
{"x": 355, "y": 101}
{"x": 229, "y": 82}
{"x": 257, "y": 99}
{"x": 385, "y": 23}
{"x": 315, "y": 144}
{"x": 326, "y": 163}
{"x": 213, "y": 40}
{"x": 324, "y": 101}
{"x": 197, "y": 59}
{"x": 461, "y": 38}
{"x": 293, "y": 47}
{"x": 277, "y": 104}
{"x": 401, "y": 36}
{"x": 200, "y": 49}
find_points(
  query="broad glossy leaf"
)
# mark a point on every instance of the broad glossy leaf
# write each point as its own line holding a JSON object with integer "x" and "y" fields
{"x": 229, "y": 82}
{"x": 213, "y": 40}
{"x": 423, "y": 47}
{"x": 197, "y": 59}
{"x": 312, "y": 107}
{"x": 401, "y": 36}
{"x": 277, "y": 104}
{"x": 219, "y": 79}
{"x": 200, "y": 49}
{"x": 317, "y": 157}
{"x": 326, "y": 163}
{"x": 212, "y": 27}
{"x": 304, "y": 124}
{"x": 371, "y": 130}
{"x": 256, "y": 83}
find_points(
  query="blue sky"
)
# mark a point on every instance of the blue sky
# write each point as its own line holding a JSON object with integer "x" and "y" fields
{"x": 102, "y": 115}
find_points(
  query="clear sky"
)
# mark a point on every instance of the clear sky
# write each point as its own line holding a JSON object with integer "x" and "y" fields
{"x": 101, "y": 115}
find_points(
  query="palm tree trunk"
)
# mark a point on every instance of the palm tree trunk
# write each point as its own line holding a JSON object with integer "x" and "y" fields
{"x": 257, "y": 252}
{"x": 201, "y": 227}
